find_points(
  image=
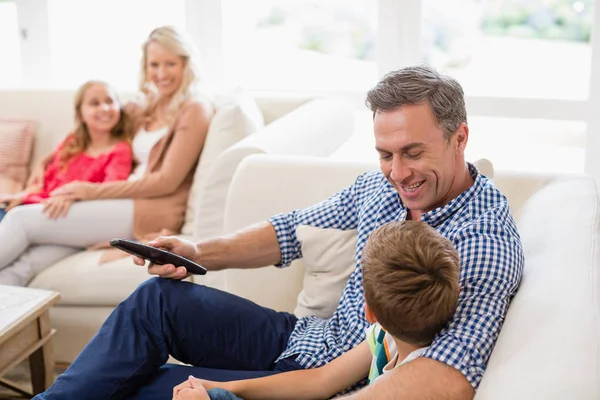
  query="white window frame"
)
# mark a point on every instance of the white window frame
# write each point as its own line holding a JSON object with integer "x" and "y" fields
{"x": 398, "y": 36}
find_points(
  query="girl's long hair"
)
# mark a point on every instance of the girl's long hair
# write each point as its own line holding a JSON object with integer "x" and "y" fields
{"x": 80, "y": 139}
{"x": 178, "y": 43}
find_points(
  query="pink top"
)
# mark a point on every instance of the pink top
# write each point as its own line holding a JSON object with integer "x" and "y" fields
{"x": 111, "y": 166}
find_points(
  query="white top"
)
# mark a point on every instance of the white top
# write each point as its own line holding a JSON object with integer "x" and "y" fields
{"x": 143, "y": 143}
{"x": 412, "y": 356}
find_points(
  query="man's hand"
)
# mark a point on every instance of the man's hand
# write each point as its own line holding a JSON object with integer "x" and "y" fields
{"x": 75, "y": 190}
{"x": 56, "y": 207}
{"x": 173, "y": 244}
{"x": 192, "y": 389}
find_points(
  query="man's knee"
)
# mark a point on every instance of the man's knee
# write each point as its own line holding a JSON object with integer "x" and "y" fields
{"x": 155, "y": 287}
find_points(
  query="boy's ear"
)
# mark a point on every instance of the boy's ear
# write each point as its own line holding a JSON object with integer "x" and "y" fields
{"x": 369, "y": 314}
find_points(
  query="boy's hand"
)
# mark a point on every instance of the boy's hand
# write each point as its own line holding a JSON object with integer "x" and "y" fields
{"x": 192, "y": 389}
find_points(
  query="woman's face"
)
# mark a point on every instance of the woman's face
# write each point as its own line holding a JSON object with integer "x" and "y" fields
{"x": 163, "y": 68}
{"x": 100, "y": 109}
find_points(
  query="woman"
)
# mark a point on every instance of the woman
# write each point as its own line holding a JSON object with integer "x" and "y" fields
{"x": 171, "y": 125}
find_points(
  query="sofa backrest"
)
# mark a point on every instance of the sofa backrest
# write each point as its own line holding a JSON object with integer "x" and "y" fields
{"x": 316, "y": 128}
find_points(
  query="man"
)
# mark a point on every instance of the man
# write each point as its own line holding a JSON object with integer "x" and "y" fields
{"x": 421, "y": 133}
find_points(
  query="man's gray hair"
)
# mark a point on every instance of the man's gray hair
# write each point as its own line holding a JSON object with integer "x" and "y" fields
{"x": 417, "y": 85}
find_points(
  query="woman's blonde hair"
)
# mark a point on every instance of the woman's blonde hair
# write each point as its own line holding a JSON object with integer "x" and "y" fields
{"x": 178, "y": 43}
{"x": 80, "y": 139}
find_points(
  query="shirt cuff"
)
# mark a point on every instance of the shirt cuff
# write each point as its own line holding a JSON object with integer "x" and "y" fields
{"x": 286, "y": 238}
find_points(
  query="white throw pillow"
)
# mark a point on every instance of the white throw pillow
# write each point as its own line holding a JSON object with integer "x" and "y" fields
{"x": 328, "y": 256}
{"x": 329, "y": 259}
{"x": 237, "y": 115}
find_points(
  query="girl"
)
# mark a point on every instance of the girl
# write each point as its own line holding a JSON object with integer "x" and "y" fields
{"x": 171, "y": 122}
{"x": 98, "y": 150}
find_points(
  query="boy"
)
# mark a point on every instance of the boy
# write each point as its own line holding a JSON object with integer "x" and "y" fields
{"x": 410, "y": 279}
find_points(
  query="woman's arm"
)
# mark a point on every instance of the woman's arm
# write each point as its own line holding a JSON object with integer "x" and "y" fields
{"x": 308, "y": 384}
{"x": 188, "y": 139}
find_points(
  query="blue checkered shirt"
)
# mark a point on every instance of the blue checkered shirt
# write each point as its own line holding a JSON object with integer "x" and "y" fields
{"x": 483, "y": 231}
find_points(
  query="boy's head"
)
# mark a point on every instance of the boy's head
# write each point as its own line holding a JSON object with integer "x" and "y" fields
{"x": 410, "y": 275}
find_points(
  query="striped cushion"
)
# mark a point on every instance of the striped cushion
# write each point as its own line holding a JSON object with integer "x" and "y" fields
{"x": 16, "y": 144}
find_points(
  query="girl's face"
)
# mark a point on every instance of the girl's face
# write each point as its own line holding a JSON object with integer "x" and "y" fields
{"x": 163, "y": 68}
{"x": 100, "y": 109}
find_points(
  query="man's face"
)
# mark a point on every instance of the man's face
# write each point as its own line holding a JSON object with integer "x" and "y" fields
{"x": 425, "y": 169}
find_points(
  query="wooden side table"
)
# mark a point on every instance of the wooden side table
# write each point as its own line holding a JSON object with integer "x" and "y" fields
{"x": 25, "y": 332}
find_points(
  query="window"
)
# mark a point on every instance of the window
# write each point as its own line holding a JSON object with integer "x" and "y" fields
{"x": 10, "y": 47}
{"x": 102, "y": 39}
{"x": 300, "y": 44}
{"x": 512, "y": 48}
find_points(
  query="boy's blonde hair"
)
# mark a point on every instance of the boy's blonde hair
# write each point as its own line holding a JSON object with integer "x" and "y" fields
{"x": 410, "y": 274}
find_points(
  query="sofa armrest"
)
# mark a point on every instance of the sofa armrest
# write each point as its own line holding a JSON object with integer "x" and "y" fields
{"x": 265, "y": 185}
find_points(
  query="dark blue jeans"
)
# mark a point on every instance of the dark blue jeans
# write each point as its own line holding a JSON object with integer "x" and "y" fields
{"x": 2, "y": 213}
{"x": 224, "y": 336}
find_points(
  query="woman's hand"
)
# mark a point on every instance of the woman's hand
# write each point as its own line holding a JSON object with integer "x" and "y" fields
{"x": 184, "y": 248}
{"x": 56, "y": 207}
{"x": 75, "y": 190}
{"x": 11, "y": 200}
{"x": 192, "y": 389}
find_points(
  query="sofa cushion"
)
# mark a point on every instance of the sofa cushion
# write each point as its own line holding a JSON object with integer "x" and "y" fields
{"x": 236, "y": 116}
{"x": 82, "y": 281}
{"x": 16, "y": 144}
{"x": 549, "y": 345}
{"x": 328, "y": 256}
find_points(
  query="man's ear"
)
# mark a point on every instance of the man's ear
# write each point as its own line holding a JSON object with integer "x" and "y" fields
{"x": 369, "y": 314}
{"x": 462, "y": 137}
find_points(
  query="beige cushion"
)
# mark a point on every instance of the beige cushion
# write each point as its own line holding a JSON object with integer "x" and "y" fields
{"x": 82, "y": 281}
{"x": 549, "y": 346}
{"x": 16, "y": 145}
{"x": 236, "y": 117}
{"x": 328, "y": 256}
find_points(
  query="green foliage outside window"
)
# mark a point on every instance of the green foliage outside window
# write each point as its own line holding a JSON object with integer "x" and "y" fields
{"x": 540, "y": 19}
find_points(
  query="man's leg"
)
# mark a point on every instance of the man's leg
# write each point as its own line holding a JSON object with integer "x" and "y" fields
{"x": 198, "y": 325}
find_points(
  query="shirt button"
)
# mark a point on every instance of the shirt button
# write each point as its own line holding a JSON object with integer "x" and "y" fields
{"x": 346, "y": 347}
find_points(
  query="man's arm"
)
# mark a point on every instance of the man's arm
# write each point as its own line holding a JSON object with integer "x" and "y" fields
{"x": 421, "y": 379}
{"x": 253, "y": 247}
{"x": 267, "y": 243}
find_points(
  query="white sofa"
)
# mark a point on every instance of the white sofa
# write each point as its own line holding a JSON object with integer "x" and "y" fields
{"x": 549, "y": 347}
{"x": 90, "y": 291}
